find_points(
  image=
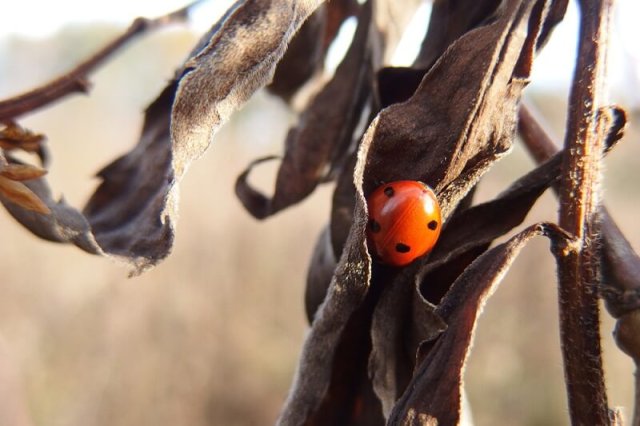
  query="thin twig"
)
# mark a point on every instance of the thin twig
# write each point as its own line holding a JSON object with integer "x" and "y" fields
{"x": 76, "y": 80}
{"x": 578, "y": 271}
{"x": 535, "y": 136}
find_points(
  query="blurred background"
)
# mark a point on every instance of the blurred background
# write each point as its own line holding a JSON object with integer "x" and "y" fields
{"x": 212, "y": 335}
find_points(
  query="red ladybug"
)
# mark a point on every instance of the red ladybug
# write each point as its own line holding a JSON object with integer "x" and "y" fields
{"x": 404, "y": 221}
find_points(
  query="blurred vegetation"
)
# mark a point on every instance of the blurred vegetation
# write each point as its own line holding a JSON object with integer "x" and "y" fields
{"x": 212, "y": 335}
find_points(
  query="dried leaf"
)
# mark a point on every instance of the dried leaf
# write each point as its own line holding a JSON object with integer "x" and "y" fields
{"x": 450, "y": 20}
{"x": 303, "y": 58}
{"x": 544, "y": 16}
{"x": 12, "y": 136}
{"x": 397, "y": 84}
{"x": 347, "y": 291}
{"x": 350, "y": 398}
{"x": 342, "y": 206}
{"x": 462, "y": 117}
{"x": 555, "y": 15}
{"x": 324, "y": 132}
{"x": 128, "y": 213}
{"x": 393, "y": 353}
{"x": 485, "y": 222}
{"x": 434, "y": 394}
{"x": 620, "y": 287}
{"x": 64, "y": 224}
{"x": 337, "y": 12}
{"x": 626, "y": 334}
{"x": 307, "y": 51}
{"x": 133, "y": 212}
{"x": 616, "y": 121}
{"x": 121, "y": 218}
{"x": 321, "y": 267}
{"x": 21, "y": 171}
{"x": 231, "y": 65}
{"x": 20, "y": 194}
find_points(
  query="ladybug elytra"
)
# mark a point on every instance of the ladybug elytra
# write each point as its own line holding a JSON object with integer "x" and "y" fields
{"x": 404, "y": 221}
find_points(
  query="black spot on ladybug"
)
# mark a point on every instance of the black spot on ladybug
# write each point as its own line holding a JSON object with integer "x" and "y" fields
{"x": 388, "y": 191}
{"x": 433, "y": 225}
{"x": 374, "y": 226}
{"x": 402, "y": 248}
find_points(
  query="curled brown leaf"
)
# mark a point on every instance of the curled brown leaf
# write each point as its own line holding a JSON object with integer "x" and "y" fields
{"x": 434, "y": 394}
{"x": 324, "y": 131}
{"x": 132, "y": 214}
{"x": 461, "y": 118}
{"x": 321, "y": 267}
{"x": 304, "y": 56}
{"x": 449, "y": 20}
{"x": 349, "y": 287}
{"x": 228, "y": 66}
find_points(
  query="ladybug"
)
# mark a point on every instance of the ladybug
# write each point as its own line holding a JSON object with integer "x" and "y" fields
{"x": 404, "y": 221}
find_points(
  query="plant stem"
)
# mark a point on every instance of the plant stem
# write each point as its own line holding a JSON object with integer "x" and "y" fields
{"x": 621, "y": 287}
{"x": 75, "y": 81}
{"x": 578, "y": 271}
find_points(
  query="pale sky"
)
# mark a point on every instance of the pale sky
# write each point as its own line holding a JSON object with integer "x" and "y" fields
{"x": 40, "y": 18}
{"x": 554, "y": 67}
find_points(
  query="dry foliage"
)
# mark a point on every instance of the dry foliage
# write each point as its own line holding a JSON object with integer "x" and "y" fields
{"x": 386, "y": 345}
